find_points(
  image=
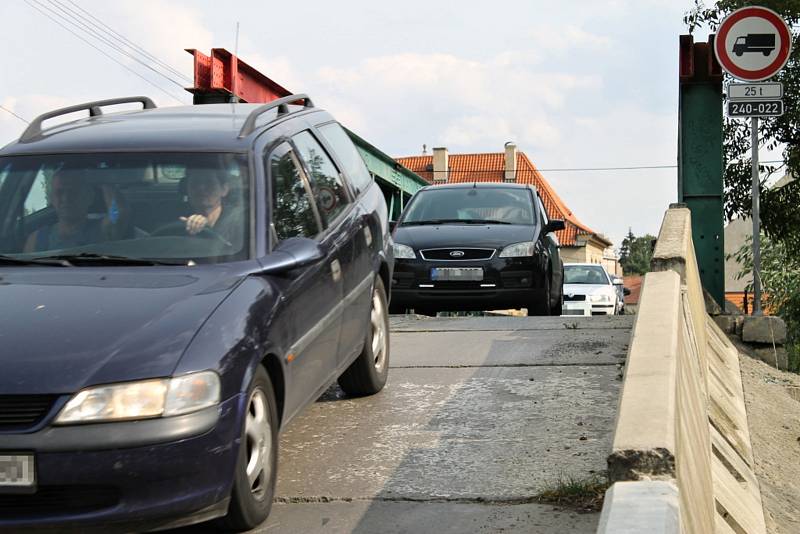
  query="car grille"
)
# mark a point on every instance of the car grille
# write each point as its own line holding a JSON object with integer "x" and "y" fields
{"x": 467, "y": 254}
{"x": 22, "y": 411}
{"x": 49, "y": 500}
{"x": 574, "y": 298}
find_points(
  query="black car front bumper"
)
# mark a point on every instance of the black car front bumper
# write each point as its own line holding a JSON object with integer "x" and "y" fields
{"x": 507, "y": 283}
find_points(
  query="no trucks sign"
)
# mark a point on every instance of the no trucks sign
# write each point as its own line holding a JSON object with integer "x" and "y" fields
{"x": 753, "y": 43}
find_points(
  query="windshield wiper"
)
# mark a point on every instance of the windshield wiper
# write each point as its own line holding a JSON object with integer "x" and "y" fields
{"x": 431, "y": 222}
{"x": 104, "y": 259}
{"x": 452, "y": 221}
{"x": 9, "y": 260}
{"x": 485, "y": 221}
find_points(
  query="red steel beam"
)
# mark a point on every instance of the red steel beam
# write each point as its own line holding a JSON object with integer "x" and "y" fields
{"x": 224, "y": 73}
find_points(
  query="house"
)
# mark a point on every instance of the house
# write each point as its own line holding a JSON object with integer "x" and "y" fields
{"x": 738, "y": 233}
{"x": 579, "y": 243}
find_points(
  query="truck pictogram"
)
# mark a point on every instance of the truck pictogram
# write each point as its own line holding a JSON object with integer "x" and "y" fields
{"x": 754, "y": 42}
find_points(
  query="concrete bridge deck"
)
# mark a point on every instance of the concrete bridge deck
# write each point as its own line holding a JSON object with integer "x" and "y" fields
{"x": 479, "y": 415}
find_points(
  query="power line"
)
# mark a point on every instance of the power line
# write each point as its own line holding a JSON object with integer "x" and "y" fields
{"x": 112, "y": 58}
{"x": 129, "y": 43}
{"x": 574, "y": 169}
{"x": 79, "y": 23}
{"x": 11, "y": 112}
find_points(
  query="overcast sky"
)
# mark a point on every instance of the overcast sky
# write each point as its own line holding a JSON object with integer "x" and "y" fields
{"x": 575, "y": 84}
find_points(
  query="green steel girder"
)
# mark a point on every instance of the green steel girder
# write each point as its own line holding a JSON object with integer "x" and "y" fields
{"x": 700, "y": 160}
{"x": 397, "y": 182}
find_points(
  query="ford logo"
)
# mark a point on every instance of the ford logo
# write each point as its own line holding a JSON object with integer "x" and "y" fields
{"x": 457, "y": 253}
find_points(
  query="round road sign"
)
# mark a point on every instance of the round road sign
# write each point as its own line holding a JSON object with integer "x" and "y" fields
{"x": 753, "y": 43}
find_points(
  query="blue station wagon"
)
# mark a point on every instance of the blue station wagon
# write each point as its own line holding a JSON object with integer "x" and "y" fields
{"x": 176, "y": 284}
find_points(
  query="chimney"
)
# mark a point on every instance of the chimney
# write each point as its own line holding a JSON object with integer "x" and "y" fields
{"x": 440, "y": 165}
{"x": 511, "y": 163}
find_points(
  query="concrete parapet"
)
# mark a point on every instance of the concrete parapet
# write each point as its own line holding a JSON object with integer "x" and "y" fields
{"x": 764, "y": 329}
{"x": 636, "y": 507}
{"x": 645, "y": 435}
{"x": 682, "y": 425}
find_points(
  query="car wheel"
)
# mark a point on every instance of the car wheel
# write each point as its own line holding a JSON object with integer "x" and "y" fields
{"x": 542, "y": 305}
{"x": 367, "y": 374}
{"x": 555, "y": 308}
{"x": 257, "y": 465}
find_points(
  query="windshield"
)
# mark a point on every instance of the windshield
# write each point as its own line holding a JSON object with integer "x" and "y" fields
{"x": 180, "y": 208}
{"x": 471, "y": 205}
{"x": 585, "y": 274}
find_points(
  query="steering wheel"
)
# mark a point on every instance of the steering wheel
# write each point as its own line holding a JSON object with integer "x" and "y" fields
{"x": 178, "y": 228}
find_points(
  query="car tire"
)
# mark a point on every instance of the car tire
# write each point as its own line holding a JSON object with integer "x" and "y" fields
{"x": 368, "y": 373}
{"x": 542, "y": 306}
{"x": 257, "y": 464}
{"x": 555, "y": 309}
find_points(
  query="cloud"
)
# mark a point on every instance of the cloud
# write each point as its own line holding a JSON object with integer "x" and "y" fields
{"x": 164, "y": 29}
{"x": 559, "y": 40}
{"x": 463, "y": 102}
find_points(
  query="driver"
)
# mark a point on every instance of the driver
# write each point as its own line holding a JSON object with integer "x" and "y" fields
{"x": 71, "y": 196}
{"x": 207, "y": 190}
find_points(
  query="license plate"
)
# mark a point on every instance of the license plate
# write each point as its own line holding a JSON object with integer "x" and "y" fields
{"x": 17, "y": 471}
{"x": 457, "y": 274}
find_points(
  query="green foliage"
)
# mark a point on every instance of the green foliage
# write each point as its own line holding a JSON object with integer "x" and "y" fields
{"x": 779, "y": 214}
{"x": 780, "y": 280}
{"x": 581, "y": 494}
{"x": 635, "y": 253}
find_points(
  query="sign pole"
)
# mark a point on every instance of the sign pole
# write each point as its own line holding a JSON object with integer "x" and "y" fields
{"x": 756, "y": 222}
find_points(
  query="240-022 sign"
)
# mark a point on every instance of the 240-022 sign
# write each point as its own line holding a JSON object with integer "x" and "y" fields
{"x": 752, "y": 108}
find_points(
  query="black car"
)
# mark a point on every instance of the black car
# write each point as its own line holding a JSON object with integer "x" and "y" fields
{"x": 176, "y": 284}
{"x": 477, "y": 246}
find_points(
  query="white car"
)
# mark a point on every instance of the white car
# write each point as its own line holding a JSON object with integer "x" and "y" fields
{"x": 588, "y": 290}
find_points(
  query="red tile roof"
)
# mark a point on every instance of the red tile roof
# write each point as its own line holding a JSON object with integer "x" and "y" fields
{"x": 634, "y": 283}
{"x": 490, "y": 168}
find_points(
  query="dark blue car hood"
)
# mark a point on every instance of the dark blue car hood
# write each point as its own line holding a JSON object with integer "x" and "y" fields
{"x": 62, "y": 329}
{"x": 463, "y": 235}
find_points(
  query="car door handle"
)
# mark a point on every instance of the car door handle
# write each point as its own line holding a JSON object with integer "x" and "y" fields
{"x": 336, "y": 270}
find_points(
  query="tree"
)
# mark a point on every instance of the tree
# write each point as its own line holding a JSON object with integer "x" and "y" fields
{"x": 780, "y": 276}
{"x": 779, "y": 214}
{"x": 635, "y": 253}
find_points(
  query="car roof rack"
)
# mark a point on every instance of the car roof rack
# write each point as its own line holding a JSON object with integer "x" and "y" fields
{"x": 94, "y": 108}
{"x": 35, "y": 127}
{"x": 283, "y": 108}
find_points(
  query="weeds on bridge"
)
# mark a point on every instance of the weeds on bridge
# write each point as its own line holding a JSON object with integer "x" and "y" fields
{"x": 580, "y": 494}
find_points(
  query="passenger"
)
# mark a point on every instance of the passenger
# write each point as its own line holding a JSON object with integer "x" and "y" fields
{"x": 207, "y": 191}
{"x": 71, "y": 196}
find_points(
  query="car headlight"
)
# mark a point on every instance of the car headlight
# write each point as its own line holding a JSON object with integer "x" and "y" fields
{"x": 600, "y": 298}
{"x": 519, "y": 250}
{"x": 161, "y": 397}
{"x": 403, "y": 252}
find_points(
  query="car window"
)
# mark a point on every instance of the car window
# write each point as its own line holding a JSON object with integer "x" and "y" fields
{"x": 348, "y": 154}
{"x": 110, "y": 204}
{"x": 503, "y": 205}
{"x": 585, "y": 274}
{"x": 542, "y": 211}
{"x": 37, "y": 195}
{"x": 326, "y": 183}
{"x": 293, "y": 214}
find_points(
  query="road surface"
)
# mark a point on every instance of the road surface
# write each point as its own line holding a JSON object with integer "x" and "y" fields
{"x": 479, "y": 415}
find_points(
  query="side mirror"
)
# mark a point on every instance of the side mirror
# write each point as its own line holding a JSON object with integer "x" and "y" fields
{"x": 292, "y": 253}
{"x": 554, "y": 225}
{"x": 626, "y": 291}
{"x": 617, "y": 281}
